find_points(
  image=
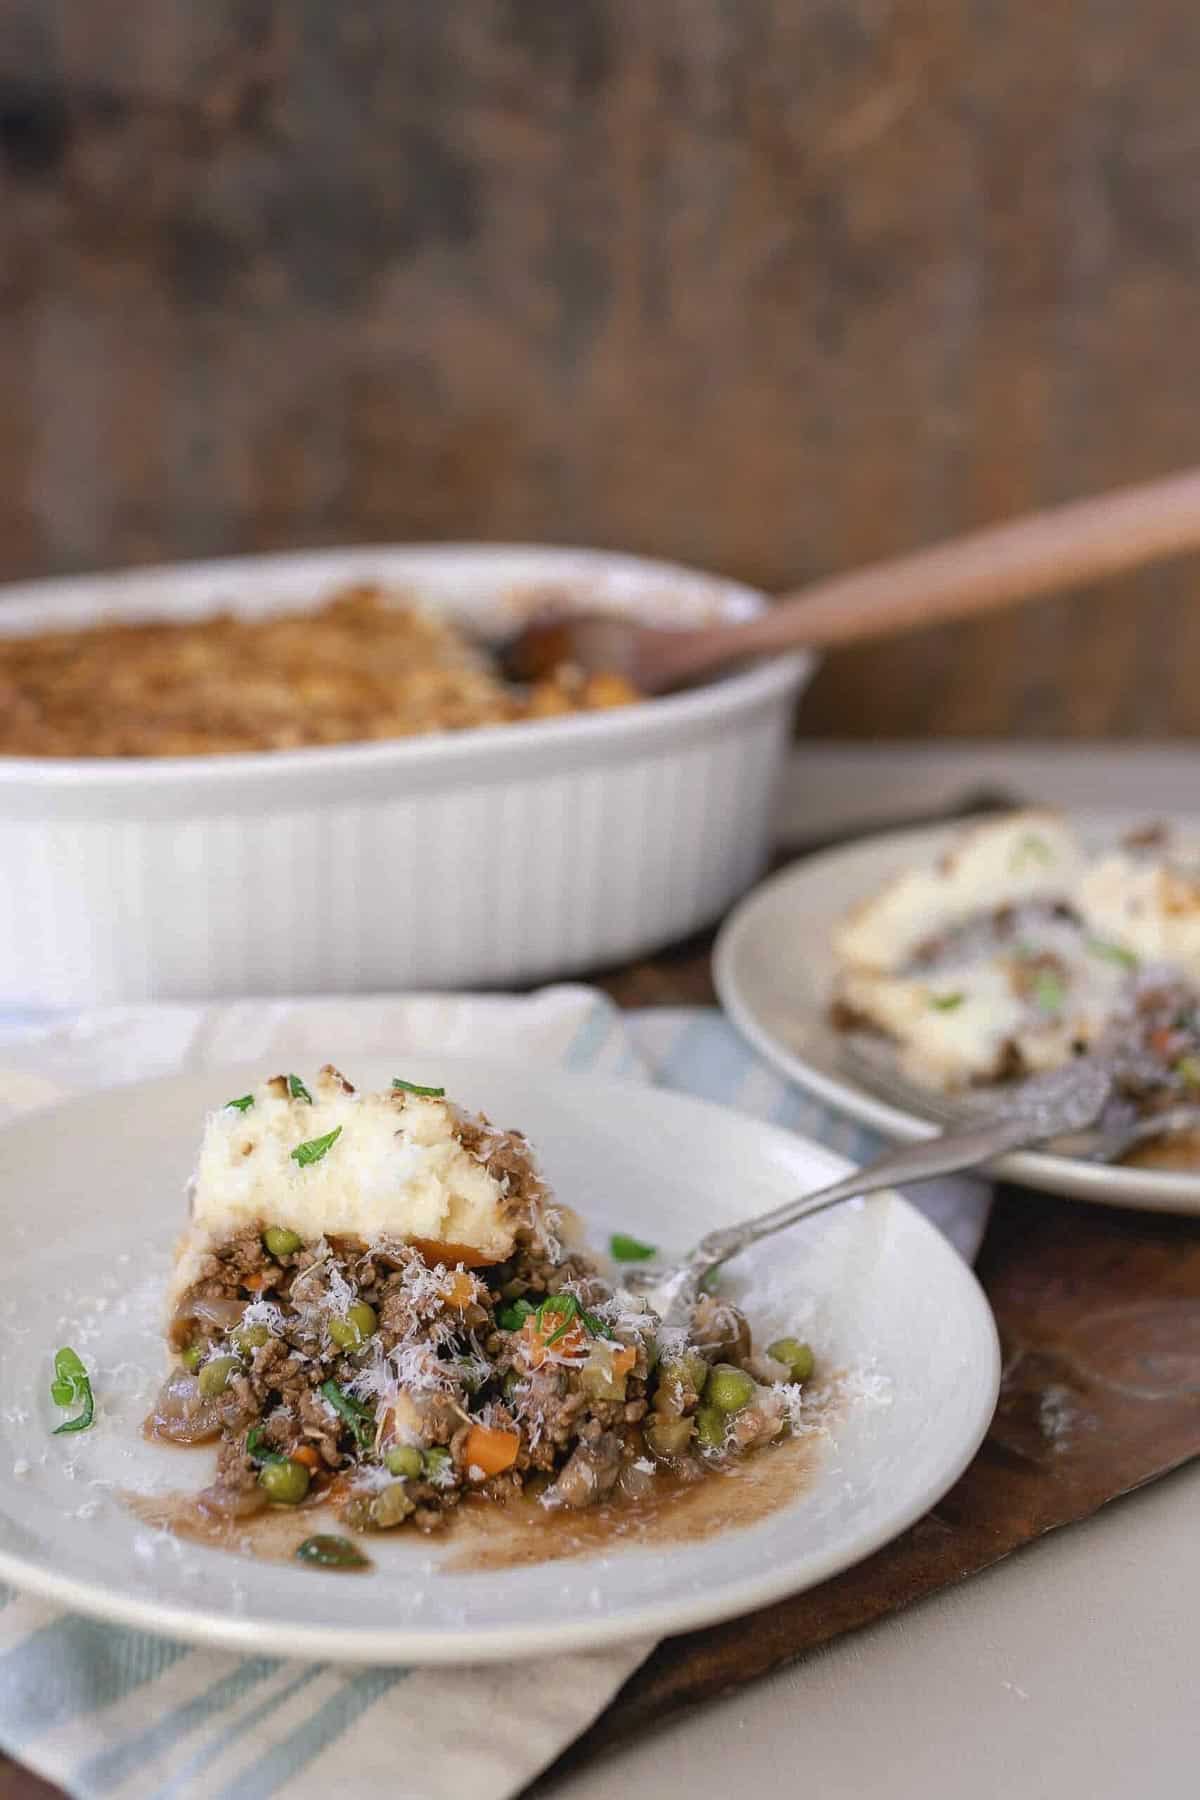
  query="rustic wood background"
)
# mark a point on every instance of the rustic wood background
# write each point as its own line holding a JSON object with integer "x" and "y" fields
{"x": 775, "y": 286}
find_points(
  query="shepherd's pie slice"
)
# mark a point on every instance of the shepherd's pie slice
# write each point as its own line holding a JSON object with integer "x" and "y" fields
{"x": 332, "y": 1162}
{"x": 1023, "y": 858}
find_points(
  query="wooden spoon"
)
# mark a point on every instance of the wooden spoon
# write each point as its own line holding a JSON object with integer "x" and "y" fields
{"x": 979, "y": 573}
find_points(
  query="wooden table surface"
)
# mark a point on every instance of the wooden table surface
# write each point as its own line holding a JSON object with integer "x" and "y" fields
{"x": 770, "y": 288}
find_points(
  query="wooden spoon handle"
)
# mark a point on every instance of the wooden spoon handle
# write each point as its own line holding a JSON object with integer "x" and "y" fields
{"x": 1000, "y": 566}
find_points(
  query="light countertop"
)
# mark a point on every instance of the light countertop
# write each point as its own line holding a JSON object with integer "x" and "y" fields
{"x": 1067, "y": 1672}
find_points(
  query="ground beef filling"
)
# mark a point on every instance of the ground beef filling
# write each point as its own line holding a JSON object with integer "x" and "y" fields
{"x": 368, "y": 1377}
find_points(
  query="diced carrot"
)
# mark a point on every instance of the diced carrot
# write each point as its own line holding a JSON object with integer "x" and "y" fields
{"x": 304, "y": 1453}
{"x": 490, "y": 1451}
{"x": 434, "y": 1252}
{"x": 459, "y": 1291}
{"x": 256, "y": 1283}
{"x": 623, "y": 1360}
{"x": 537, "y": 1338}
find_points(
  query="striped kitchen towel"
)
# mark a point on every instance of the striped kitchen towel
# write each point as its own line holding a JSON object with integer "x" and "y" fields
{"x": 103, "y": 1710}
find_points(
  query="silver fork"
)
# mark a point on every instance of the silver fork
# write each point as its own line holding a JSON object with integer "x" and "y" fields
{"x": 1047, "y": 1108}
{"x": 1117, "y": 1127}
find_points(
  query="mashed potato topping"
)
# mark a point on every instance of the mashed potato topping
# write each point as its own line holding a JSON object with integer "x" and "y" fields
{"x": 393, "y": 1165}
{"x": 1024, "y": 858}
{"x": 1015, "y": 950}
{"x": 365, "y": 666}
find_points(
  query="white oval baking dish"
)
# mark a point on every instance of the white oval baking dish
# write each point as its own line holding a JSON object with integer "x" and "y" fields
{"x": 489, "y": 857}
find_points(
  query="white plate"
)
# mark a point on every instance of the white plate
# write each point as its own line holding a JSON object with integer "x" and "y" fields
{"x": 773, "y": 967}
{"x": 90, "y": 1200}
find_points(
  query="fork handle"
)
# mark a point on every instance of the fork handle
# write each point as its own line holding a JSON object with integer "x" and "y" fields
{"x": 946, "y": 1155}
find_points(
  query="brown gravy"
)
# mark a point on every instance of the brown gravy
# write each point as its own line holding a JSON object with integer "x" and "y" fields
{"x": 483, "y": 1535}
{"x": 1176, "y": 1150}
{"x": 677, "y": 1512}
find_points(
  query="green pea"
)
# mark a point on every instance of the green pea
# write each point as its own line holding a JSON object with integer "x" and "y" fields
{"x": 728, "y": 1388}
{"x": 279, "y": 1241}
{"x": 711, "y": 1424}
{"x": 404, "y": 1459}
{"x": 357, "y": 1326}
{"x": 469, "y": 1374}
{"x": 435, "y": 1462}
{"x": 250, "y": 1337}
{"x": 667, "y": 1437}
{"x": 192, "y": 1357}
{"x": 215, "y": 1375}
{"x": 391, "y": 1506}
{"x": 798, "y": 1356}
{"x": 680, "y": 1380}
{"x": 285, "y": 1482}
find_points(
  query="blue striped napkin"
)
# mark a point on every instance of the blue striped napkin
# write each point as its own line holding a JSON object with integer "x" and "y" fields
{"x": 102, "y": 1710}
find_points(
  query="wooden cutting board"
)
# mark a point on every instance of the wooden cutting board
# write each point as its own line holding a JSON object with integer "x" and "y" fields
{"x": 1099, "y": 1316}
{"x": 1099, "y": 1319}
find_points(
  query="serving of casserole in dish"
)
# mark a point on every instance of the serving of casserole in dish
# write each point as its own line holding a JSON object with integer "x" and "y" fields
{"x": 559, "y": 832}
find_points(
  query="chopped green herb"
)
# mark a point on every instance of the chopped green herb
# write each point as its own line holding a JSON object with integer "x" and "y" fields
{"x": 411, "y": 1087}
{"x": 241, "y": 1105}
{"x": 326, "y": 1551}
{"x": 1031, "y": 849}
{"x": 623, "y": 1248}
{"x": 946, "y": 1002}
{"x": 351, "y": 1412}
{"x": 69, "y": 1374}
{"x": 255, "y": 1449}
{"x": 297, "y": 1089}
{"x": 1115, "y": 953}
{"x": 1049, "y": 991}
{"x": 1189, "y": 1068}
{"x": 566, "y": 1307}
{"x": 316, "y": 1148}
{"x": 512, "y": 1317}
{"x": 558, "y": 1306}
{"x": 72, "y": 1387}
